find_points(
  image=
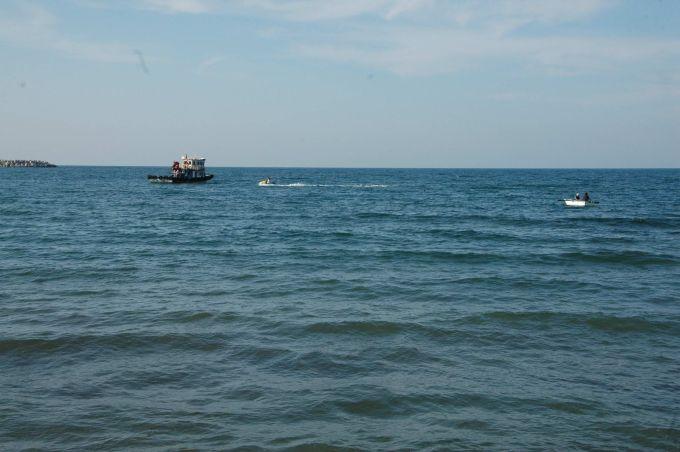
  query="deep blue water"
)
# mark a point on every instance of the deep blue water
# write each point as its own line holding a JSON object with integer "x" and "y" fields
{"x": 367, "y": 309}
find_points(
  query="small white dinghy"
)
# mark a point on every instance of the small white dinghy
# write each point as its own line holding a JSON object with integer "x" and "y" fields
{"x": 578, "y": 203}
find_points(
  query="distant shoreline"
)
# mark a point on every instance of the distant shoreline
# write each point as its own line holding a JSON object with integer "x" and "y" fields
{"x": 26, "y": 164}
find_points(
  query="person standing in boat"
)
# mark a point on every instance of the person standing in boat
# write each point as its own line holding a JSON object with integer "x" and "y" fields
{"x": 578, "y": 196}
{"x": 586, "y": 197}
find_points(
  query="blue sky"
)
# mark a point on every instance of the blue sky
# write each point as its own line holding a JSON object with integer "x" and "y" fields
{"x": 367, "y": 83}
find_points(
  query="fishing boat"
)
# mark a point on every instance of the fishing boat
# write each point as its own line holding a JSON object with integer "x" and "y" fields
{"x": 187, "y": 170}
{"x": 578, "y": 203}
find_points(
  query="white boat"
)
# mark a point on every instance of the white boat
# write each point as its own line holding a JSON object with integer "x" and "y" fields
{"x": 265, "y": 183}
{"x": 191, "y": 169}
{"x": 578, "y": 203}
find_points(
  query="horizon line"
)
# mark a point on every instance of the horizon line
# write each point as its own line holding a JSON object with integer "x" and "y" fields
{"x": 392, "y": 167}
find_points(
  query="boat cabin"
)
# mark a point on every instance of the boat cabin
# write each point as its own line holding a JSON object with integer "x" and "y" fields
{"x": 189, "y": 167}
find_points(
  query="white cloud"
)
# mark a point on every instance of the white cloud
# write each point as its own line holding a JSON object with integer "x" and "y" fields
{"x": 414, "y": 51}
{"x": 208, "y": 63}
{"x": 31, "y": 26}
{"x": 312, "y": 10}
{"x": 414, "y": 37}
{"x": 503, "y": 13}
{"x": 180, "y": 6}
{"x": 424, "y": 37}
{"x": 402, "y": 7}
{"x": 494, "y": 13}
{"x": 499, "y": 13}
{"x": 291, "y": 10}
{"x": 516, "y": 13}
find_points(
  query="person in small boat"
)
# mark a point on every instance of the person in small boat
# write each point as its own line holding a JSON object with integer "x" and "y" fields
{"x": 578, "y": 196}
{"x": 586, "y": 197}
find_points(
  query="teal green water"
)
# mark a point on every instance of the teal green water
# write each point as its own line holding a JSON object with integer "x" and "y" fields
{"x": 358, "y": 309}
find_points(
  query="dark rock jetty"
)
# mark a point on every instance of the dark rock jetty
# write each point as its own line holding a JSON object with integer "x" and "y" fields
{"x": 26, "y": 164}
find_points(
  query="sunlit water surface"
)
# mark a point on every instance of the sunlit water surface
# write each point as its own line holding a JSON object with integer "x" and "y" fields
{"x": 368, "y": 309}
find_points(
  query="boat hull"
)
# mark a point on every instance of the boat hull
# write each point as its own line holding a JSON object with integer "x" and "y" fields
{"x": 577, "y": 203}
{"x": 178, "y": 180}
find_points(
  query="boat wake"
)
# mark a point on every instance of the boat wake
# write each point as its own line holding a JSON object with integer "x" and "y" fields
{"x": 302, "y": 184}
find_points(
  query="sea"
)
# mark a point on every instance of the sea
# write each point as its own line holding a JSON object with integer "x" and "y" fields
{"x": 341, "y": 309}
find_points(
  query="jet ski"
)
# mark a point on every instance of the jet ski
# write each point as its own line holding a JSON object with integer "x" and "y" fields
{"x": 266, "y": 182}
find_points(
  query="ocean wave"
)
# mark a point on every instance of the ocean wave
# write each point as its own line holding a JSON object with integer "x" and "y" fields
{"x": 327, "y": 282}
{"x": 371, "y": 328}
{"x": 569, "y": 222}
{"x": 651, "y": 222}
{"x": 664, "y": 436}
{"x": 472, "y": 234}
{"x": 374, "y": 328}
{"x": 111, "y": 342}
{"x": 593, "y": 321}
{"x": 376, "y": 402}
{"x": 319, "y": 363}
{"x": 197, "y": 316}
{"x": 633, "y": 258}
{"x": 101, "y": 272}
{"x": 527, "y": 282}
{"x": 440, "y": 255}
{"x": 305, "y": 184}
{"x": 375, "y": 215}
{"x": 259, "y": 355}
{"x": 402, "y": 355}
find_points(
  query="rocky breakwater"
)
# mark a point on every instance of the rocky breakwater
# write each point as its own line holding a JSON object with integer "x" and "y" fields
{"x": 26, "y": 164}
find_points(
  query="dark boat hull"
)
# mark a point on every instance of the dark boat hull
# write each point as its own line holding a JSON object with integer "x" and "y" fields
{"x": 179, "y": 180}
